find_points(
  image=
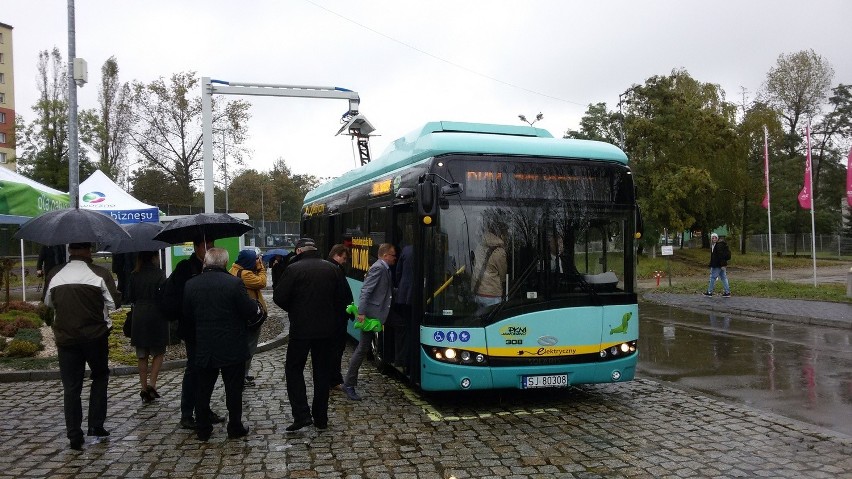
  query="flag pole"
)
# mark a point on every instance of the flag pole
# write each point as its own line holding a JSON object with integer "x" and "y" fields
{"x": 768, "y": 202}
{"x": 811, "y": 182}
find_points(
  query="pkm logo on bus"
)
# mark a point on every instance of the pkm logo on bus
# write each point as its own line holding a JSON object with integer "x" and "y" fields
{"x": 513, "y": 330}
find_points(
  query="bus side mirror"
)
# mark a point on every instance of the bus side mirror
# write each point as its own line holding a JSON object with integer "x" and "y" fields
{"x": 427, "y": 201}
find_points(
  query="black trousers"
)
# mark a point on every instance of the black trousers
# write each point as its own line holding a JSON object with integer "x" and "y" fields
{"x": 322, "y": 357}
{"x": 72, "y": 370}
{"x": 233, "y": 376}
{"x": 189, "y": 386}
{"x": 338, "y": 346}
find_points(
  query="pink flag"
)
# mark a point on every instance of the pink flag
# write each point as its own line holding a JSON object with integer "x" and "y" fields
{"x": 849, "y": 178}
{"x": 765, "y": 202}
{"x": 805, "y": 200}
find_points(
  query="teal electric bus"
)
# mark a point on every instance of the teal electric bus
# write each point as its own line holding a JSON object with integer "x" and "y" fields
{"x": 516, "y": 249}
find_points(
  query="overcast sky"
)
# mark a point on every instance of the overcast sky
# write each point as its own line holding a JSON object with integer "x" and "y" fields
{"x": 414, "y": 62}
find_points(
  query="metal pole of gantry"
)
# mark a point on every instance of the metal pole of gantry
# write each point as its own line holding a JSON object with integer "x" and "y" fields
{"x": 210, "y": 87}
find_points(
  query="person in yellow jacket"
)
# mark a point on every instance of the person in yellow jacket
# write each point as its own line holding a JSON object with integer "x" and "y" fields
{"x": 249, "y": 268}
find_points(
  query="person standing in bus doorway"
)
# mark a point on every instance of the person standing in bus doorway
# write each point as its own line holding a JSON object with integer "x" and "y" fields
{"x": 489, "y": 268}
{"x": 311, "y": 291}
{"x": 339, "y": 255}
{"x": 374, "y": 302}
{"x": 720, "y": 254}
{"x": 401, "y": 317}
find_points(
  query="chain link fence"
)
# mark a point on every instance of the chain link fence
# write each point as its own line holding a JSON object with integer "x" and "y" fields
{"x": 273, "y": 234}
{"x": 826, "y": 245}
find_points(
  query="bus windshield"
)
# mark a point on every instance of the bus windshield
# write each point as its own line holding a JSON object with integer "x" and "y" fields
{"x": 549, "y": 236}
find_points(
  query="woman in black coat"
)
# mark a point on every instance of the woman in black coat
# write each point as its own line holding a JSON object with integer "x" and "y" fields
{"x": 150, "y": 329}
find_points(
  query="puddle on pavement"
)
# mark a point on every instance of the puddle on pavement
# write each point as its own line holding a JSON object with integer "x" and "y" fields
{"x": 803, "y": 372}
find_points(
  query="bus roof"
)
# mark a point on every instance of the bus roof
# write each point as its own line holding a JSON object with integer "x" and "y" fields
{"x": 443, "y": 137}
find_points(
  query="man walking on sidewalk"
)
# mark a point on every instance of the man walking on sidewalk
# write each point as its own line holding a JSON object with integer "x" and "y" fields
{"x": 719, "y": 257}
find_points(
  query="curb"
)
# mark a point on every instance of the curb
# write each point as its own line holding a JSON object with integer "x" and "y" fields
{"x": 51, "y": 374}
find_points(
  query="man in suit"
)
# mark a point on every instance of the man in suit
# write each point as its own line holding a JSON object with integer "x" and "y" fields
{"x": 217, "y": 304}
{"x": 374, "y": 302}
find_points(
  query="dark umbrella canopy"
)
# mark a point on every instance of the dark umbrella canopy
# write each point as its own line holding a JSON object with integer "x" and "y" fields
{"x": 267, "y": 257}
{"x": 209, "y": 226}
{"x": 141, "y": 239}
{"x": 71, "y": 225}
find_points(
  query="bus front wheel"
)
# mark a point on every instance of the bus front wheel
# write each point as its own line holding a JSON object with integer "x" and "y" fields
{"x": 378, "y": 350}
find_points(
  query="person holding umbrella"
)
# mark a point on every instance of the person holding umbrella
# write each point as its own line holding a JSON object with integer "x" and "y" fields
{"x": 80, "y": 294}
{"x": 202, "y": 229}
{"x": 173, "y": 303}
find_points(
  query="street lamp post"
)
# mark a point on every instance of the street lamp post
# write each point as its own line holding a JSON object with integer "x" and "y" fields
{"x": 280, "y": 216}
{"x": 538, "y": 117}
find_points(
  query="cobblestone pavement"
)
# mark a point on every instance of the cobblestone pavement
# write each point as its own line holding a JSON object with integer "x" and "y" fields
{"x": 636, "y": 429}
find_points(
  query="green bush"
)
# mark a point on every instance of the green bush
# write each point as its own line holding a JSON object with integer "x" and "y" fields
{"x": 12, "y": 321}
{"x": 31, "y": 335}
{"x": 21, "y": 349}
{"x": 2, "y": 343}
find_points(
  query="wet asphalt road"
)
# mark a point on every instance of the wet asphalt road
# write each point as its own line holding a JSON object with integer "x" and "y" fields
{"x": 802, "y": 372}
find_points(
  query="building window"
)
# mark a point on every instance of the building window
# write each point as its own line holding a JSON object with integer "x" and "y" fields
{"x": 2, "y": 77}
{"x": 2, "y": 58}
{"x": 3, "y": 158}
{"x": 2, "y": 117}
{"x": 1, "y": 41}
{"x": 2, "y": 98}
{"x": 2, "y": 137}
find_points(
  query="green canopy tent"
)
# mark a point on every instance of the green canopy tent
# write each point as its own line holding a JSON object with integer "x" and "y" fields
{"x": 22, "y": 199}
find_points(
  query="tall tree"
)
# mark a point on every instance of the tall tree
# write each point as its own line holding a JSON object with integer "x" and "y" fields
{"x": 796, "y": 86}
{"x": 598, "y": 124}
{"x": 106, "y": 130}
{"x": 168, "y": 135}
{"x": 44, "y": 141}
{"x": 680, "y": 137}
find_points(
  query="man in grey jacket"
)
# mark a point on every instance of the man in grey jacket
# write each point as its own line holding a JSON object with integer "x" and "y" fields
{"x": 81, "y": 295}
{"x": 374, "y": 302}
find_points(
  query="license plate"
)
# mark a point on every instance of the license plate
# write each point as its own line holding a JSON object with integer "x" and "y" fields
{"x": 546, "y": 381}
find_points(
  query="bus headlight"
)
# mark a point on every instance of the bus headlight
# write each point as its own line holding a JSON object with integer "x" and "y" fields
{"x": 612, "y": 352}
{"x": 456, "y": 356}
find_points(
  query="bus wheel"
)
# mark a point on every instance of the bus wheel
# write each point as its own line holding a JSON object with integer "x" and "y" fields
{"x": 378, "y": 350}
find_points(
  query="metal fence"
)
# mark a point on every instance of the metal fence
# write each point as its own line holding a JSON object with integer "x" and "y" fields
{"x": 826, "y": 245}
{"x": 273, "y": 234}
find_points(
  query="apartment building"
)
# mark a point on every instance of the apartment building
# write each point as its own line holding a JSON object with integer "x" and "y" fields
{"x": 7, "y": 99}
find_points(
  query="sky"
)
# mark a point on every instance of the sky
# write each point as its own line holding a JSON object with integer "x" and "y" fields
{"x": 416, "y": 62}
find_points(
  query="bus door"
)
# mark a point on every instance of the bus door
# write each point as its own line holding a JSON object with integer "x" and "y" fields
{"x": 379, "y": 230}
{"x": 403, "y": 324}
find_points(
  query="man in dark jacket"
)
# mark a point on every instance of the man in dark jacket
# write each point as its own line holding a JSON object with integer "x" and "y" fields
{"x": 719, "y": 257}
{"x": 81, "y": 294}
{"x": 172, "y": 303}
{"x": 311, "y": 291}
{"x": 48, "y": 258}
{"x": 339, "y": 255}
{"x": 217, "y": 303}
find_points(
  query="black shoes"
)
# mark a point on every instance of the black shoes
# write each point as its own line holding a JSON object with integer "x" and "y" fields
{"x": 321, "y": 425}
{"x": 98, "y": 431}
{"x": 298, "y": 425}
{"x": 187, "y": 423}
{"x": 202, "y": 436}
{"x": 77, "y": 444}
{"x": 242, "y": 431}
{"x": 215, "y": 418}
{"x": 249, "y": 382}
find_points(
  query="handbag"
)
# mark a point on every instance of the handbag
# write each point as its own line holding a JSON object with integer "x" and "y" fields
{"x": 259, "y": 316}
{"x": 128, "y": 324}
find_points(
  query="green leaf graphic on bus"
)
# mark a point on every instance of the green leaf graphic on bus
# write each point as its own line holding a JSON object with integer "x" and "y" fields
{"x": 623, "y": 328}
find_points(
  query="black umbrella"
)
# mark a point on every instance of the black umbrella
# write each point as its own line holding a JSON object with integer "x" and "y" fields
{"x": 208, "y": 226}
{"x": 71, "y": 225}
{"x": 141, "y": 239}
